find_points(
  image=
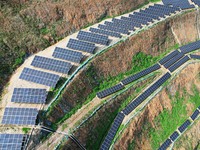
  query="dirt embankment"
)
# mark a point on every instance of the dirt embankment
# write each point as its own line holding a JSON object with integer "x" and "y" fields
{"x": 30, "y": 26}
{"x": 91, "y": 133}
{"x": 119, "y": 58}
{"x": 136, "y": 131}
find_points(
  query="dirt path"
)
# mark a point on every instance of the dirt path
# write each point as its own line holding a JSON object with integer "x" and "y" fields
{"x": 71, "y": 122}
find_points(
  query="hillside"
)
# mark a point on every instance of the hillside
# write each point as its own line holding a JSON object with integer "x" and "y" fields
{"x": 30, "y": 26}
{"x": 79, "y": 108}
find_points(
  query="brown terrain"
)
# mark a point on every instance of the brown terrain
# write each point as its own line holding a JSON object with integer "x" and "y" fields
{"x": 41, "y": 23}
{"x": 157, "y": 40}
{"x": 30, "y": 26}
{"x": 118, "y": 59}
{"x": 136, "y": 130}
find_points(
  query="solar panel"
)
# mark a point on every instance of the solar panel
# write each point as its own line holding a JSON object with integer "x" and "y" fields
{"x": 168, "y": 57}
{"x": 112, "y": 132}
{"x": 184, "y": 126}
{"x": 178, "y": 64}
{"x": 131, "y": 24}
{"x": 51, "y": 64}
{"x": 29, "y": 95}
{"x": 146, "y": 94}
{"x": 190, "y": 47}
{"x": 144, "y": 21}
{"x": 195, "y": 56}
{"x": 197, "y": 2}
{"x": 11, "y": 141}
{"x": 109, "y": 33}
{"x": 173, "y": 60}
{"x": 110, "y": 91}
{"x": 140, "y": 74}
{"x": 143, "y": 16}
{"x": 167, "y": 7}
{"x": 19, "y": 116}
{"x": 165, "y": 145}
{"x": 82, "y": 46}
{"x": 195, "y": 114}
{"x": 183, "y": 4}
{"x": 162, "y": 12}
{"x": 153, "y": 12}
{"x": 39, "y": 77}
{"x": 113, "y": 28}
{"x": 66, "y": 54}
{"x": 119, "y": 25}
{"x": 92, "y": 37}
{"x": 174, "y": 136}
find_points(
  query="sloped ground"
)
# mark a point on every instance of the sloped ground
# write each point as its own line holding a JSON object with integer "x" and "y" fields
{"x": 30, "y": 26}
{"x": 152, "y": 126}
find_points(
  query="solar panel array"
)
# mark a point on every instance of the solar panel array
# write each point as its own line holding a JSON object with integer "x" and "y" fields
{"x": 197, "y": 2}
{"x": 20, "y": 116}
{"x": 129, "y": 24}
{"x": 184, "y": 126}
{"x": 138, "y": 19}
{"x": 195, "y": 114}
{"x": 165, "y": 145}
{"x": 92, "y": 37}
{"x": 140, "y": 74}
{"x": 113, "y": 130}
{"x": 51, "y": 64}
{"x": 183, "y": 4}
{"x": 67, "y": 54}
{"x": 168, "y": 57}
{"x": 114, "y": 29}
{"x": 29, "y": 95}
{"x": 173, "y": 60}
{"x": 108, "y": 33}
{"x": 178, "y": 64}
{"x": 119, "y": 25}
{"x": 110, "y": 91}
{"x": 190, "y": 47}
{"x": 39, "y": 77}
{"x": 11, "y": 141}
{"x": 174, "y": 136}
{"x": 195, "y": 56}
{"x": 82, "y": 46}
{"x": 146, "y": 94}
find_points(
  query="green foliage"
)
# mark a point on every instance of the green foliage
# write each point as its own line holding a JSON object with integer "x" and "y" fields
{"x": 154, "y": 1}
{"x": 177, "y": 115}
{"x": 26, "y": 130}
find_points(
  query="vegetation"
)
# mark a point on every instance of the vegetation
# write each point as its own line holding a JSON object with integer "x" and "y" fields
{"x": 168, "y": 121}
{"x": 105, "y": 121}
{"x": 154, "y": 1}
{"x": 141, "y": 60}
{"x": 26, "y": 130}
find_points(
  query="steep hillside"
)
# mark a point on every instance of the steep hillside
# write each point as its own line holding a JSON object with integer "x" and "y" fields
{"x": 165, "y": 113}
{"x": 117, "y": 61}
{"x": 31, "y": 26}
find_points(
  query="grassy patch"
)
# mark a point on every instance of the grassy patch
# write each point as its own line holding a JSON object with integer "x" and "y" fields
{"x": 141, "y": 60}
{"x": 168, "y": 121}
{"x": 154, "y": 1}
{"x": 26, "y": 130}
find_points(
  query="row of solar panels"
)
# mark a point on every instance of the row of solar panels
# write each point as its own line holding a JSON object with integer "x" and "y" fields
{"x": 175, "y": 59}
{"x": 183, "y": 4}
{"x": 197, "y": 2}
{"x": 172, "y": 62}
{"x": 117, "y": 122}
{"x": 136, "y": 20}
{"x": 86, "y": 41}
{"x": 181, "y": 129}
{"x": 126, "y": 81}
{"x": 13, "y": 141}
